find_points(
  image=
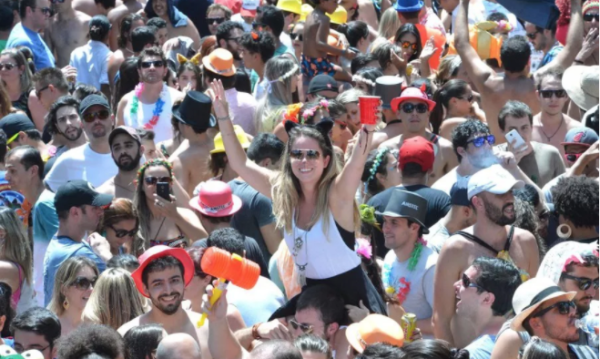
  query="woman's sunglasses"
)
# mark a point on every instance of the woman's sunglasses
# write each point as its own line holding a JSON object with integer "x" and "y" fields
{"x": 582, "y": 283}
{"x": 480, "y": 141}
{"x": 411, "y": 107}
{"x": 7, "y": 67}
{"x": 92, "y": 116}
{"x": 83, "y": 283}
{"x": 120, "y": 233}
{"x": 563, "y": 309}
{"x": 150, "y": 180}
{"x": 294, "y": 36}
{"x": 310, "y": 155}
{"x": 406, "y": 45}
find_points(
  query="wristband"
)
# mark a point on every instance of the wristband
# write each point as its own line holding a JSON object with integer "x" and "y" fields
{"x": 255, "y": 334}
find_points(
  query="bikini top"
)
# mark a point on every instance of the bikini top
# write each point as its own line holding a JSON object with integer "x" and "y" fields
{"x": 503, "y": 254}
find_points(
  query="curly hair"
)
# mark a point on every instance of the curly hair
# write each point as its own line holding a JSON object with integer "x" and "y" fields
{"x": 576, "y": 199}
{"x": 91, "y": 339}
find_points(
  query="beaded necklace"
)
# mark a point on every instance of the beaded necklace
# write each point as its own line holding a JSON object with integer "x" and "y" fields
{"x": 135, "y": 105}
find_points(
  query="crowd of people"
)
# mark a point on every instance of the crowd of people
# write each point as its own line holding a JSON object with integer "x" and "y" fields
{"x": 297, "y": 179}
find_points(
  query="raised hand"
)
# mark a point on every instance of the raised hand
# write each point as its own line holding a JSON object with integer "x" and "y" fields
{"x": 428, "y": 49}
{"x": 219, "y": 101}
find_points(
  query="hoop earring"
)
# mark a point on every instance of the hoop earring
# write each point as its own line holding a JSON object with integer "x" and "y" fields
{"x": 564, "y": 231}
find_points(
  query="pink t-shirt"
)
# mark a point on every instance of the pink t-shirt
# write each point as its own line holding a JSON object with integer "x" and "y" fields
{"x": 241, "y": 108}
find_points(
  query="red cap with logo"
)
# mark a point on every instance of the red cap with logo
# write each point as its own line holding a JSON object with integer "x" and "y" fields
{"x": 417, "y": 150}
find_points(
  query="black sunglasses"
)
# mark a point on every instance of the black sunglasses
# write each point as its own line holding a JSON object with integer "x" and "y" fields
{"x": 563, "y": 308}
{"x": 532, "y": 35}
{"x": 92, "y": 116}
{"x": 469, "y": 98}
{"x": 308, "y": 154}
{"x": 83, "y": 283}
{"x": 582, "y": 283}
{"x": 57, "y": 1}
{"x": 218, "y": 20}
{"x": 7, "y": 67}
{"x": 156, "y": 64}
{"x": 467, "y": 283}
{"x": 305, "y": 328}
{"x": 590, "y": 17}
{"x": 47, "y": 11}
{"x": 549, "y": 93}
{"x": 39, "y": 92}
{"x": 480, "y": 141}
{"x": 150, "y": 180}
{"x": 120, "y": 233}
{"x": 410, "y": 107}
{"x": 294, "y": 36}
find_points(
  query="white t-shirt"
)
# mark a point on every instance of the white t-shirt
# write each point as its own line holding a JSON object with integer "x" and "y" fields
{"x": 84, "y": 164}
{"x": 438, "y": 235}
{"x": 257, "y": 304}
{"x": 414, "y": 289}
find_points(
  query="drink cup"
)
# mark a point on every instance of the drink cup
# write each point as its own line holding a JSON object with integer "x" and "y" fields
{"x": 368, "y": 109}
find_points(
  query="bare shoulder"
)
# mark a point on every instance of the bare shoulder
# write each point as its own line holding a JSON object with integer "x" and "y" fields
{"x": 83, "y": 17}
{"x": 131, "y": 324}
{"x": 571, "y": 122}
{"x": 107, "y": 187}
{"x": 392, "y": 143}
{"x": 524, "y": 236}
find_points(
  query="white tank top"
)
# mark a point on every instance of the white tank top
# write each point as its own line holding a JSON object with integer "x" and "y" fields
{"x": 324, "y": 257}
{"x": 163, "y": 130}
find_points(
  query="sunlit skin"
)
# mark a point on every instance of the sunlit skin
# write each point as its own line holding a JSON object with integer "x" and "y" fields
{"x": 159, "y": 7}
{"x": 97, "y": 128}
{"x": 554, "y": 325}
{"x": 165, "y": 289}
{"x": 583, "y": 298}
{"x": 68, "y": 123}
{"x": 467, "y": 298}
{"x": 26, "y": 340}
{"x": 353, "y": 116}
{"x": 588, "y": 25}
{"x": 12, "y": 75}
{"x": 308, "y": 170}
{"x": 115, "y": 242}
{"x": 152, "y": 75}
{"x": 76, "y": 297}
{"x": 393, "y": 177}
{"x": 553, "y": 105}
{"x": 415, "y": 122}
{"x": 298, "y": 30}
{"x": 214, "y": 14}
{"x": 407, "y": 52}
{"x": 154, "y": 171}
{"x": 185, "y": 78}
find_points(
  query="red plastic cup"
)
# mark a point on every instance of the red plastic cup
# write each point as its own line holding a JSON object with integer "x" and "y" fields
{"x": 368, "y": 109}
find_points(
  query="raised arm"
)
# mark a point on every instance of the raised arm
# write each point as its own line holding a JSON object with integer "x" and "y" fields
{"x": 257, "y": 177}
{"x": 478, "y": 71}
{"x": 566, "y": 57}
{"x": 348, "y": 180}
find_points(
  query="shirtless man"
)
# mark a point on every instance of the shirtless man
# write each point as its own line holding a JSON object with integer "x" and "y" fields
{"x": 413, "y": 109}
{"x": 490, "y": 193}
{"x": 95, "y": 7}
{"x": 551, "y": 125}
{"x": 194, "y": 116}
{"x": 127, "y": 25}
{"x": 516, "y": 83}
{"x": 162, "y": 277}
{"x": 116, "y": 15}
{"x": 183, "y": 26}
{"x": 127, "y": 151}
{"x": 68, "y": 30}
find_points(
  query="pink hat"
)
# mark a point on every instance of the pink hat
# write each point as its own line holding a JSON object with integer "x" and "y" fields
{"x": 412, "y": 93}
{"x": 215, "y": 199}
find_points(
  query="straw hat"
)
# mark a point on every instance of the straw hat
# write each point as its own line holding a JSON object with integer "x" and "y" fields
{"x": 530, "y": 295}
{"x": 375, "y": 328}
{"x": 581, "y": 84}
{"x": 220, "y": 61}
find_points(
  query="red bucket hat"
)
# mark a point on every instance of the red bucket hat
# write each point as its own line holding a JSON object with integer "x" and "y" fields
{"x": 215, "y": 199}
{"x": 412, "y": 93}
{"x": 162, "y": 251}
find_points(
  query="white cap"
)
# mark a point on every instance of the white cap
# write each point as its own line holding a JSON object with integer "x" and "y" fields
{"x": 250, "y": 4}
{"x": 494, "y": 179}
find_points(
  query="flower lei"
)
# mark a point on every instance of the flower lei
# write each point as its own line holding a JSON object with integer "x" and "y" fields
{"x": 376, "y": 163}
{"x": 135, "y": 105}
{"x": 363, "y": 248}
{"x": 308, "y": 113}
{"x": 416, "y": 254}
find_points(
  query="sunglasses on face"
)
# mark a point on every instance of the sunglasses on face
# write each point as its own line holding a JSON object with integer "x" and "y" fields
{"x": 120, "y": 233}
{"x": 590, "y": 17}
{"x": 156, "y": 64}
{"x": 582, "y": 283}
{"x": 47, "y": 11}
{"x": 467, "y": 283}
{"x": 572, "y": 157}
{"x": 305, "y": 328}
{"x": 150, "y": 180}
{"x": 218, "y": 20}
{"x": 564, "y": 308}
{"x": 39, "y": 92}
{"x": 92, "y": 116}
{"x": 532, "y": 35}
{"x": 293, "y": 36}
{"x": 7, "y": 67}
{"x": 469, "y": 98}
{"x": 310, "y": 155}
{"x": 410, "y": 107}
{"x": 480, "y": 141}
{"x": 407, "y": 44}
{"x": 83, "y": 283}
{"x": 549, "y": 93}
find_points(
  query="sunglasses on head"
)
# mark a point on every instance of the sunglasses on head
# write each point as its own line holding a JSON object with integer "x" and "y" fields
{"x": 590, "y": 17}
{"x": 308, "y": 154}
{"x": 154, "y": 180}
{"x": 120, "y": 233}
{"x": 156, "y": 64}
{"x": 549, "y": 93}
{"x": 407, "y": 44}
{"x": 294, "y": 36}
{"x": 564, "y": 308}
{"x": 305, "y": 328}
{"x": 218, "y": 20}
{"x": 83, "y": 283}
{"x": 7, "y": 67}
{"x": 480, "y": 141}
{"x": 408, "y": 107}
{"x": 92, "y": 116}
{"x": 582, "y": 283}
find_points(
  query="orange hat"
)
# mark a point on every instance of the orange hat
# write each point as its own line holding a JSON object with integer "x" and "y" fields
{"x": 220, "y": 61}
{"x": 485, "y": 44}
{"x": 162, "y": 251}
{"x": 375, "y": 328}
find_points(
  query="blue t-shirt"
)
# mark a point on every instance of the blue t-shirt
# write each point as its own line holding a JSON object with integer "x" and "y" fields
{"x": 551, "y": 55}
{"x": 22, "y": 36}
{"x": 482, "y": 347}
{"x": 59, "y": 250}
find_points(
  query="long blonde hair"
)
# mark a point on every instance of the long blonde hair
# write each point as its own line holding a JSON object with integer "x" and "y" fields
{"x": 114, "y": 301}
{"x": 389, "y": 23}
{"x": 65, "y": 276}
{"x": 16, "y": 247}
{"x": 287, "y": 192}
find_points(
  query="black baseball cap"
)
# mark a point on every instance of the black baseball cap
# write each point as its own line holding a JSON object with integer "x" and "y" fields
{"x": 322, "y": 83}
{"x": 129, "y": 131}
{"x": 14, "y": 123}
{"x": 79, "y": 193}
{"x": 93, "y": 100}
{"x": 459, "y": 193}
